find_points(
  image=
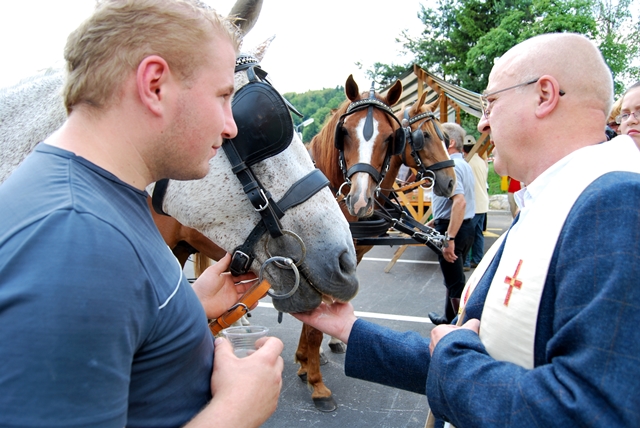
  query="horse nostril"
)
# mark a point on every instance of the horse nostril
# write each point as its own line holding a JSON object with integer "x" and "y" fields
{"x": 347, "y": 262}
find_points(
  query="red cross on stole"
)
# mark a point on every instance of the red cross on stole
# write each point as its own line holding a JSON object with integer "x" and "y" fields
{"x": 513, "y": 282}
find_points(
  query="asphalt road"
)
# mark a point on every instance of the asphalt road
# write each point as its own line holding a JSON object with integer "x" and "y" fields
{"x": 400, "y": 299}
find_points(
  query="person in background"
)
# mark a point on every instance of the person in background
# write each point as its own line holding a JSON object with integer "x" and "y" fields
{"x": 612, "y": 123}
{"x": 629, "y": 117}
{"x": 548, "y": 335}
{"x": 104, "y": 330}
{"x": 452, "y": 217}
{"x": 480, "y": 171}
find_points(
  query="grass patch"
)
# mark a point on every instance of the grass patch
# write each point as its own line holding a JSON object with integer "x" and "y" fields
{"x": 494, "y": 182}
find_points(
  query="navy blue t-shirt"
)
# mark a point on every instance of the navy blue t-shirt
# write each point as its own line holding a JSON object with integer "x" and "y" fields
{"x": 98, "y": 326}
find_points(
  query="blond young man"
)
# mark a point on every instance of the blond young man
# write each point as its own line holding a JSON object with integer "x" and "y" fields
{"x": 102, "y": 331}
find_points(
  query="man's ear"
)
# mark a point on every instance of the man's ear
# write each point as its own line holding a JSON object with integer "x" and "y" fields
{"x": 151, "y": 78}
{"x": 548, "y": 95}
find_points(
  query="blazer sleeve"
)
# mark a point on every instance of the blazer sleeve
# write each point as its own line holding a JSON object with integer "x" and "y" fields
{"x": 381, "y": 355}
{"x": 589, "y": 336}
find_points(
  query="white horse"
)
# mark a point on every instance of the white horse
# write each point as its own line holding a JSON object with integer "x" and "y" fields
{"x": 216, "y": 205}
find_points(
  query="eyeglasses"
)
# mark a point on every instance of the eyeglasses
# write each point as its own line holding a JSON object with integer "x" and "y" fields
{"x": 625, "y": 116}
{"x": 486, "y": 104}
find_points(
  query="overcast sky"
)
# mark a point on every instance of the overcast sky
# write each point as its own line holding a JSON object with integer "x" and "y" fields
{"x": 316, "y": 45}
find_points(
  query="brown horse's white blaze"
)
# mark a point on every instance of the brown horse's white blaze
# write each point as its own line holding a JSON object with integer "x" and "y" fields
{"x": 366, "y": 137}
{"x": 360, "y": 200}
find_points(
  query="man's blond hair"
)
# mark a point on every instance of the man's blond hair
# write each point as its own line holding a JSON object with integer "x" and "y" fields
{"x": 121, "y": 33}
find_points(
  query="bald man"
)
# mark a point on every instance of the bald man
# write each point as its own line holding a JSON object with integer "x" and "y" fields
{"x": 547, "y": 333}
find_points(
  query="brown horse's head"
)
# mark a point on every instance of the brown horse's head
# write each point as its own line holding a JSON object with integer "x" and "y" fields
{"x": 354, "y": 147}
{"x": 426, "y": 148}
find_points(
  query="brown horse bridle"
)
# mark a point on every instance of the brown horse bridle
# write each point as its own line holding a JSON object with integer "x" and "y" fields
{"x": 395, "y": 148}
{"x": 416, "y": 142}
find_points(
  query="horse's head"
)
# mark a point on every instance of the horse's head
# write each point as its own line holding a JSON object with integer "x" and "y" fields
{"x": 263, "y": 199}
{"x": 426, "y": 148}
{"x": 367, "y": 135}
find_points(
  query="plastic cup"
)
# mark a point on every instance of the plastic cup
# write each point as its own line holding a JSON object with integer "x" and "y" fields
{"x": 244, "y": 338}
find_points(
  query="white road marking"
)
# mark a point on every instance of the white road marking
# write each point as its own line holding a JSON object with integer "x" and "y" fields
{"x": 371, "y": 315}
{"x": 423, "y": 262}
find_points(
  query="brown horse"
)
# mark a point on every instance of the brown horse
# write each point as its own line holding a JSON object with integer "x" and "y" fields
{"x": 355, "y": 145}
{"x": 353, "y": 149}
{"x": 358, "y": 204}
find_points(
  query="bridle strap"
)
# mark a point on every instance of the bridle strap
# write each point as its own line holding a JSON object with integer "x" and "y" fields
{"x": 233, "y": 314}
{"x": 298, "y": 193}
{"x": 369, "y": 103}
{"x": 426, "y": 117}
{"x": 259, "y": 197}
{"x": 449, "y": 163}
{"x": 365, "y": 167}
{"x": 157, "y": 196}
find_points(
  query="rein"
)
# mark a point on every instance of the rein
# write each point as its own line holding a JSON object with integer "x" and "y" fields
{"x": 389, "y": 215}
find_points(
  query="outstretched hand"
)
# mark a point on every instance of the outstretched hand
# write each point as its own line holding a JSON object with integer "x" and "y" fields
{"x": 336, "y": 319}
{"x": 219, "y": 290}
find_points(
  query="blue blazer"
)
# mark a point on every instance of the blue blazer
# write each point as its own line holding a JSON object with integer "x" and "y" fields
{"x": 587, "y": 349}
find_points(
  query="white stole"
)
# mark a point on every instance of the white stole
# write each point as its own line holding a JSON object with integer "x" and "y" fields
{"x": 510, "y": 313}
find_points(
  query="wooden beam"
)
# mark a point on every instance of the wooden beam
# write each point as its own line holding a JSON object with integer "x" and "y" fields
{"x": 443, "y": 107}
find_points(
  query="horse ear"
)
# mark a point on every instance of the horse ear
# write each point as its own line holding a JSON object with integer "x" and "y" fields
{"x": 351, "y": 88}
{"x": 416, "y": 107}
{"x": 432, "y": 107}
{"x": 394, "y": 94}
{"x": 246, "y": 14}
{"x": 261, "y": 49}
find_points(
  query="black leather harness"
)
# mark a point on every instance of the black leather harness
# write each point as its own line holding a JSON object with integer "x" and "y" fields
{"x": 265, "y": 129}
{"x": 394, "y": 148}
{"x": 416, "y": 141}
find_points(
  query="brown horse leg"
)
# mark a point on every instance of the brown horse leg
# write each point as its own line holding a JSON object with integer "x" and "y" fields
{"x": 308, "y": 356}
{"x": 302, "y": 352}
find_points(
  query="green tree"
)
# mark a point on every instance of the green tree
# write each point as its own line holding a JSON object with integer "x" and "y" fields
{"x": 317, "y": 104}
{"x": 619, "y": 40}
{"x": 462, "y": 38}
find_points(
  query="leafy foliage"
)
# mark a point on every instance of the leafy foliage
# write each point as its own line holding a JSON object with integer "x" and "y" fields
{"x": 316, "y": 104}
{"x": 462, "y": 38}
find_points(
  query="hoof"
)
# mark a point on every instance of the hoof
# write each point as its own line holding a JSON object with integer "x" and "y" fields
{"x": 303, "y": 377}
{"x": 325, "y": 404}
{"x": 338, "y": 347}
{"x": 323, "y": 358}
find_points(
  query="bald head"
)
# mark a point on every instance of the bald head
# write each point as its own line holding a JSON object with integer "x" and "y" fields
{"x": 572, "y": 59}
{"x": 547, "y": 97}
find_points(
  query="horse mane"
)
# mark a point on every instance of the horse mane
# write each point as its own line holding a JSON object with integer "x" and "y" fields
{"x": 323, "y": 149}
